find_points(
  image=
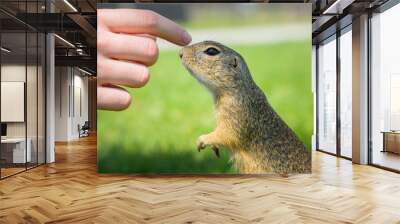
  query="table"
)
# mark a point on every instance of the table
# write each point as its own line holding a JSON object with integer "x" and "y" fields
{"x": 391, "y": 141}
{"x": 17, "y": 151}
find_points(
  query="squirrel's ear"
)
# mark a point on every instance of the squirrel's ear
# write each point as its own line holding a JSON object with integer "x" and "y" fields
{"x": 234, "y": 62}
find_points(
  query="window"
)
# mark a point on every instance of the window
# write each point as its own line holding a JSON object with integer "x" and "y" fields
{"x": 346, "y": 93}
{"x": 327, "y": 96}
{"x": 385, "y": 89}
{"x": 331, "y": 135}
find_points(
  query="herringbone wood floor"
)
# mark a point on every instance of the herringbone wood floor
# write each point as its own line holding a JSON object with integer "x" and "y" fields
{"x": 70, "y": 191}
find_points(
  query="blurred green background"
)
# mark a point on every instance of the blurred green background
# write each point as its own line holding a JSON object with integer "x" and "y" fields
{"x": 158, "y": 133}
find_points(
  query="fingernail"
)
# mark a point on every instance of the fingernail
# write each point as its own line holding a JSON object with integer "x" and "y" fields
{"x": 186, "y": 38}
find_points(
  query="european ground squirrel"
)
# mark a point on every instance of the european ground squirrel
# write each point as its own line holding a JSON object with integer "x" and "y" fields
{"x": 259, "y": 140}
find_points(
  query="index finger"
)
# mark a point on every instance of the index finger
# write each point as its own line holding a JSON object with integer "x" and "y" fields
{"x": 138, "y": 21}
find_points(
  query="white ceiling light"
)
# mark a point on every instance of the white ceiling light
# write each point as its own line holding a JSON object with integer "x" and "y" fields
{"x": 338, "y": 6}
{"x": 79, "y": 51}
{"x": 5, "y": 50}
{"x": 65, "y": 41}
{"x": 70, "y": 5}
{"x": 84, "y": 71}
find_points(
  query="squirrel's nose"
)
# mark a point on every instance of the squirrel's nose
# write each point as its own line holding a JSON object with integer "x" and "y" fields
{"x": 180, "y": 53}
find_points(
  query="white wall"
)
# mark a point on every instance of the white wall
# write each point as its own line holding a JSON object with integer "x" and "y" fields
{"x": 61, "y": 103}
{"x": 81, "y": 100}
{"x": 70, "y": 83}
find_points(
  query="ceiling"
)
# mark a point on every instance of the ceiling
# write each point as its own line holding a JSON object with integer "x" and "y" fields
{"x": 330, "y": 15}
{"x": 74, "y": 22}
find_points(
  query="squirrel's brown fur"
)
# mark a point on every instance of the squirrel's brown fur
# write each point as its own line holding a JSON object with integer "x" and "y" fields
{"x": 260, "y": 141}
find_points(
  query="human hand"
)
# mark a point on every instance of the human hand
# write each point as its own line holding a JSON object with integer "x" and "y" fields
{"x": 126, "y": 46}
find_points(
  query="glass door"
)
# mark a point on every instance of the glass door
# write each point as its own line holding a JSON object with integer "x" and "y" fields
{"x": 32, "y": 98}
{"x": 22, "y": 77}
{"x": 14, "y": 155}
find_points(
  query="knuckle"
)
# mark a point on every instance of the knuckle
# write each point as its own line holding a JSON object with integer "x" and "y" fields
{"x": 140, "y": 77}
{"x": 152, "y": 51}
{"x": 101, "y": 13}
{"x": 103, "y": 41}
{"x": 100, "y": 67}
{"x": 150, "y": 19}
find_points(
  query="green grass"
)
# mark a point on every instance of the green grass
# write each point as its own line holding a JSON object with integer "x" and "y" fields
{"x": 279, "y": 14}
{"x": 157, "y": 134}
{"x": 215, "y": 20}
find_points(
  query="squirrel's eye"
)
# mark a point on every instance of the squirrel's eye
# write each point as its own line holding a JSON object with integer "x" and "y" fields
{"x": 211, "y": 51}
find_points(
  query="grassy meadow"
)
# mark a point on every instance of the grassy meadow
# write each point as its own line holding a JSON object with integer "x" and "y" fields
{"x": 158, "y": 133}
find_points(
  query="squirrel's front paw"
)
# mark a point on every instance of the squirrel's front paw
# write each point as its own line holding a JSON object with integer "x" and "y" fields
{"x": 202, "y": 143}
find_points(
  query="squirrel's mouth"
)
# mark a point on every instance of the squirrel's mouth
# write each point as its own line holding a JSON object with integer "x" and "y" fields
{"x": 199, "y": 77}
{"x": 181, "y": 53}
{"x": 188, "y": 62}
{"x": 185, "y": 61}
